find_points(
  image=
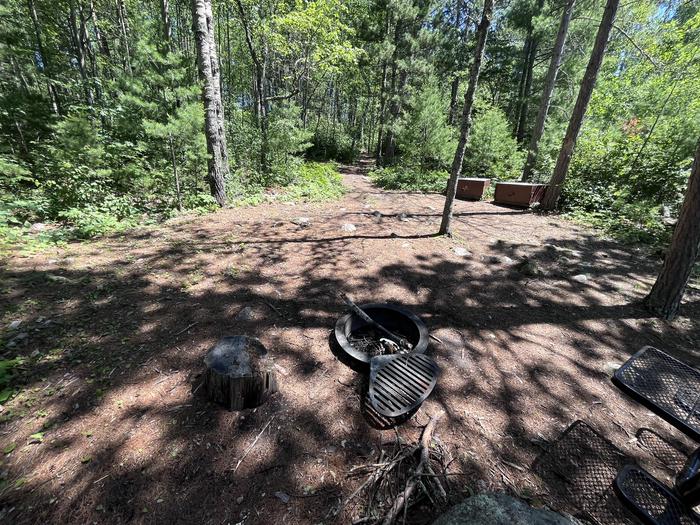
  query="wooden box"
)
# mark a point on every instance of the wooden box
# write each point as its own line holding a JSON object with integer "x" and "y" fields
{"x": 519, "y": 193}
{"x": 472, "y": 189}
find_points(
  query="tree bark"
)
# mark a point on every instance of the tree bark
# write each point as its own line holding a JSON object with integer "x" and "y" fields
{"x": 124, "y": 35}
{"x": 167, "y": 24}
{"x": 207, "y": 64}
{"x": 482, "y": 33}
{"x": 259, "y": 87}
{"x": 527, "y": 47}
{"x": 527, "y": 87}
{"x": 551, "y": 197}
{"x": 454, "y": 90}
{"x": 666, "y": 294}
{"x": 53, "y": 92}
{"x": 78, "y": 46}
{"x": 550, "y": 81}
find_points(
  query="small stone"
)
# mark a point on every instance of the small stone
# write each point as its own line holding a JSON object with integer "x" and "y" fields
{"x": 37, "y": 227}
{"x": 302, "y": 222}
{"x": 580, "y": 278}
{"x": 347, "y": 227}
{"x": 35, "y": 353}
{"x": 14, "y": 325}
{"x": 377, "y": 214}
{"x": 403, "y": 217}
{"x": 282, "y": 496}
{"x": 462, "y": 252}
{"x": 246, "y": 314}
{"x": 529, "y": 268}
{"x": 610, "y": 367}
{"x": 239, "y": 500}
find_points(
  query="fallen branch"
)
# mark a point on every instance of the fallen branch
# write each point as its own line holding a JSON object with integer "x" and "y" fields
{"x": 424, "y": 463}
{"x": 252, "y": 444}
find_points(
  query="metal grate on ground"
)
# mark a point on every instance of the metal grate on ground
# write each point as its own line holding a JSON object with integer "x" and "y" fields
{"x": 400, "y": 383}
{"x": 651, "y": 501}
{"x": 672, "y": 454}
{"x": 667, "y": 386}
{"x": 580, "y": 468}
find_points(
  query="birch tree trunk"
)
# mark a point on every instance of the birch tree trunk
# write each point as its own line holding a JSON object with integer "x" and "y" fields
{"x": 207, "y": 64}
{"x": 666, "y": 294}
{"x": 550, "y": 81}
{"x": 167, "y": 24}
{"x": 482, "y": 33}
{"x": 551, "y": 197}
{"x": 124, "y": 35}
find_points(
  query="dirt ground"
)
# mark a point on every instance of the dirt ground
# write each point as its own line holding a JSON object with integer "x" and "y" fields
{"x": 114, "y": 333}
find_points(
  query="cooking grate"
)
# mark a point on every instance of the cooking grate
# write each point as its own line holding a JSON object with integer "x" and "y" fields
{"x": 400, "y": 383}
{"x": 649, "y": 499}
{"x": 667, "y": 386}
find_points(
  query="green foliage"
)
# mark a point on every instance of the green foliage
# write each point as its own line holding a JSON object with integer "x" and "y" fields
{"x": 406, "y": 178}
{"x": 316, "y": 181}
{"x": 329, "y": 143}
{"x": 425, "y": 138}
{"x": 287, "y": 141}
{"x": 313, "y": 181}
{"x": 7, "y": 373}
{"x": 492, "y": 152}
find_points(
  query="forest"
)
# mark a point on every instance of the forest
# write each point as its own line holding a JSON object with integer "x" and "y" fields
{"x": 103, "y": 114}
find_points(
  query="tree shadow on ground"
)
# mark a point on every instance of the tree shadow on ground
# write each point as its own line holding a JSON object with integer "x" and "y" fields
{"x": 116, "y": 334}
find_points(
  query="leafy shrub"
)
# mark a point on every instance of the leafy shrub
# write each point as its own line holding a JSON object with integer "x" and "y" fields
{"x": 406, "y": 178}
{"x": 200, "y": 202}
{"x": 332, "y": 144}
{"x": 315, "y": 182}
{"x": 492, "y": 151}
{"x": 425, "y": 139}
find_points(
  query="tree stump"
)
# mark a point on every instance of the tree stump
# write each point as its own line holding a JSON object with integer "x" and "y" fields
{"x": 240, "y": 373}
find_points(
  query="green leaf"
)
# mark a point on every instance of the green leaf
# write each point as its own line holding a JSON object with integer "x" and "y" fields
{"x": 9, "y": 448}
{"x": 37, "y": 438}
{"x": 6, "y": 394}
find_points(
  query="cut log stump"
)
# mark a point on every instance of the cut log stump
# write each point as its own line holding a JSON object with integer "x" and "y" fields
{"x": 239, "y": 373}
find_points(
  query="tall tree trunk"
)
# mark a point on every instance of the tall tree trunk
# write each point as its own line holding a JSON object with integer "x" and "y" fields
{"x": 53, "y": 92}
{"x": 527, "y": 47}
{"x": 208, "y": 67}
{"x": 482, "y": 33}
{"x": 259, "y": 84}
{"x": 666, "y": 294}
{"x": 78, "y": 43}
{"x": 167, "y": 24}
{"x": 551, "y": 197}
{"x": 454, "y": 88}
{"x": 454, "y": 91}
{"x": 99, "y": 35}
{"x": 382, "y": 113}
{"x": 124, "y": 35}
{"x": 525, "y": 101}
{"x": 550, "y": 81}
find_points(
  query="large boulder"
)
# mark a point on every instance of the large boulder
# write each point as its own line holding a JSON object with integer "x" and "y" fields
{"x": 499, "y": 509}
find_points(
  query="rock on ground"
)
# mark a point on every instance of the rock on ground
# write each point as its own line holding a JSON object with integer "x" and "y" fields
{"x": 347, "y": 227}
{"x": 499, "y": 509}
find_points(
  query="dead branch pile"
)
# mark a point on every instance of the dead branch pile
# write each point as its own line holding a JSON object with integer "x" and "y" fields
{"x": 409, "y": 474}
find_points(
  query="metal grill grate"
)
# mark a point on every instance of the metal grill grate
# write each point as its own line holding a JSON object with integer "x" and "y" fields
{"x": 668, "y": 387}
{"x": 649, "y": 499}
{"x": 399, "y": 383}
{"x": 579, "y": 468}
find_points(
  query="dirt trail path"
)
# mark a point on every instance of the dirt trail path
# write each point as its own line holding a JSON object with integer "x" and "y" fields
{"x": 115, "y": 331}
